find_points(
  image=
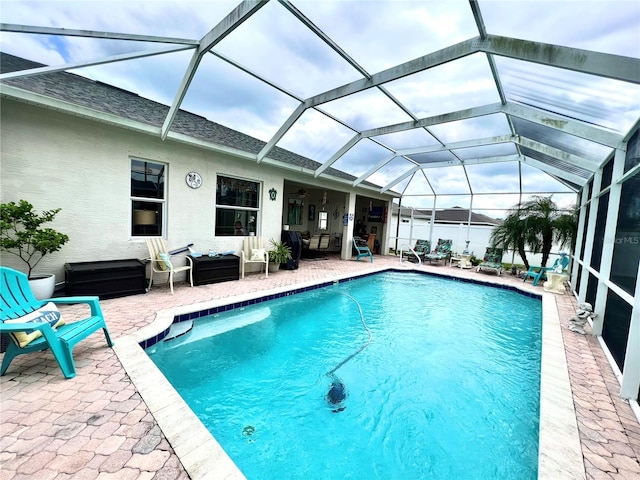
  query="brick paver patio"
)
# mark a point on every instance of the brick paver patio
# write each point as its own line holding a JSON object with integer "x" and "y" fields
{"x": 96, "y": 426}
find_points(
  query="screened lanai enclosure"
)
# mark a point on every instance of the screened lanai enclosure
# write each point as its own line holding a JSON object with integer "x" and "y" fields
{"x": 474, "y": 104}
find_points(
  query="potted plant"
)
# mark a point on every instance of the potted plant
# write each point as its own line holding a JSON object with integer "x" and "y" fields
{"x": 278, "y": 254}
{"x": 22, "y": 234}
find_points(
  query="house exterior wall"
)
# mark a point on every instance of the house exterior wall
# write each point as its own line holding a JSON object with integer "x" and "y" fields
{"x": 55, "y": 160}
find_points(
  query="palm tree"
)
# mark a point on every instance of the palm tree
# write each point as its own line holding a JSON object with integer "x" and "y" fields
{"x": 511, "y": 234}
{"x": 536, "y": 223}
{"x": 547, "y": 223}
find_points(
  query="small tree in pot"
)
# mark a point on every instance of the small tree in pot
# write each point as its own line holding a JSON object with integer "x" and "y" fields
{"x": 278, "y": 254}
{"x": 22, "y": 234}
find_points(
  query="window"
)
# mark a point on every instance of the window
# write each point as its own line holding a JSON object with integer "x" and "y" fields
{"x": 237, "y": 206}
{"x": 322, "y": 220}
{"x": 148, "y": 198}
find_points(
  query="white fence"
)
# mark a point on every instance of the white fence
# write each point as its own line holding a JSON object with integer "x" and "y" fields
{"x": 478, "y": 236}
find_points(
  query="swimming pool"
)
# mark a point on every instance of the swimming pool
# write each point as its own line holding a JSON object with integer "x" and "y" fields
{"x": 458, "y": 406}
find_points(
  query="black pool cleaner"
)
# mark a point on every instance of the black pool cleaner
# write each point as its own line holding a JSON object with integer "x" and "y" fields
{"x": 337, "y": 391}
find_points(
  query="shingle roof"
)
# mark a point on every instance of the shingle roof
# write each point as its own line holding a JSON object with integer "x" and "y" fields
{"x": 461, "y": 215}
{"x": 450, "y": 215}
{"x": 108, "y": 99}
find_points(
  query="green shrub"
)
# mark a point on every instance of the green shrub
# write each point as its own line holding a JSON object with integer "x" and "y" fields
{"x": 22, "y": 234}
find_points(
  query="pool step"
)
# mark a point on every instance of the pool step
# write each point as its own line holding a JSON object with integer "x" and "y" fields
{"x": 209, "y": 328}
{"x": 178, "y": 329}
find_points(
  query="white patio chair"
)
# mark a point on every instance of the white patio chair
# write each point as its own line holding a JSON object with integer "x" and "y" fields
{"x": 161, "y": 262}
{"x": 253, "y": 251}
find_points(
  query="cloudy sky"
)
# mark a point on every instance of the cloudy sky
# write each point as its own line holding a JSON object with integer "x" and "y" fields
{"x": 378, "y": 35}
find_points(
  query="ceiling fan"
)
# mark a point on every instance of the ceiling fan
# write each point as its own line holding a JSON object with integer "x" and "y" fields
{"x": 302, "y": 193}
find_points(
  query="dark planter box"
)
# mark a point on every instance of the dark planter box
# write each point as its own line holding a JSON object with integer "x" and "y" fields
{"x": 215, "y": 269}
{"x": 106, "y": 279}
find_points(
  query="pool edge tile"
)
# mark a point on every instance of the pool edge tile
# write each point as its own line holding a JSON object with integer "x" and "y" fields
{"x": 182, "y": 428}
{"x": 553, "y": 463}
{"x": 557, "y": 460}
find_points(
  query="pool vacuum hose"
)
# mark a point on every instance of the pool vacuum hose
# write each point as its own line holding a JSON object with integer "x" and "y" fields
{"x": 337, "y": 390}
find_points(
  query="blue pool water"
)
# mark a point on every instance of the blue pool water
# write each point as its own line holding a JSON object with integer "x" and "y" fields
{"x": 448, "y": 388}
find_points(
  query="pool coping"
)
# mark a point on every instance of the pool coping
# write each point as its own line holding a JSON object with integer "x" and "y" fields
{"x": 560, "y": 451}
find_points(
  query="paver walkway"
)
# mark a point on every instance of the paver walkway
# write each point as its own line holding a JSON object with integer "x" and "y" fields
{"x": 96, "y": 426}
{"x": 609, "y": 431}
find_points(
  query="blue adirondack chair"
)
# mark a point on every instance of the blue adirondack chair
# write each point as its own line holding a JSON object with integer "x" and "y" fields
{"x": 362, "y": 249}
{"x": 540, "y": 273}
{"x": 16, "y": 301}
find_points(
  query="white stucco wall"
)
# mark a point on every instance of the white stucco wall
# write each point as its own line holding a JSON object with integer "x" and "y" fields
{"x": 83, "y": 167}
{"x": 57, "y": 160}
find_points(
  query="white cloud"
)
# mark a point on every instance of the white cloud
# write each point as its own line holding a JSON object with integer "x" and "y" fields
{"x": 378, "y": 35}
{"x": 367, "y": 109}
{"x": 316, "y": 136}
{"x": 609, "y": 26}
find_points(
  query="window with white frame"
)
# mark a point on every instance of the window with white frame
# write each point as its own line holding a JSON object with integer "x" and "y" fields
{"x": 148, "y": 198}
{"x": 323, "y": 220}
{"x": 237, "y": 206}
